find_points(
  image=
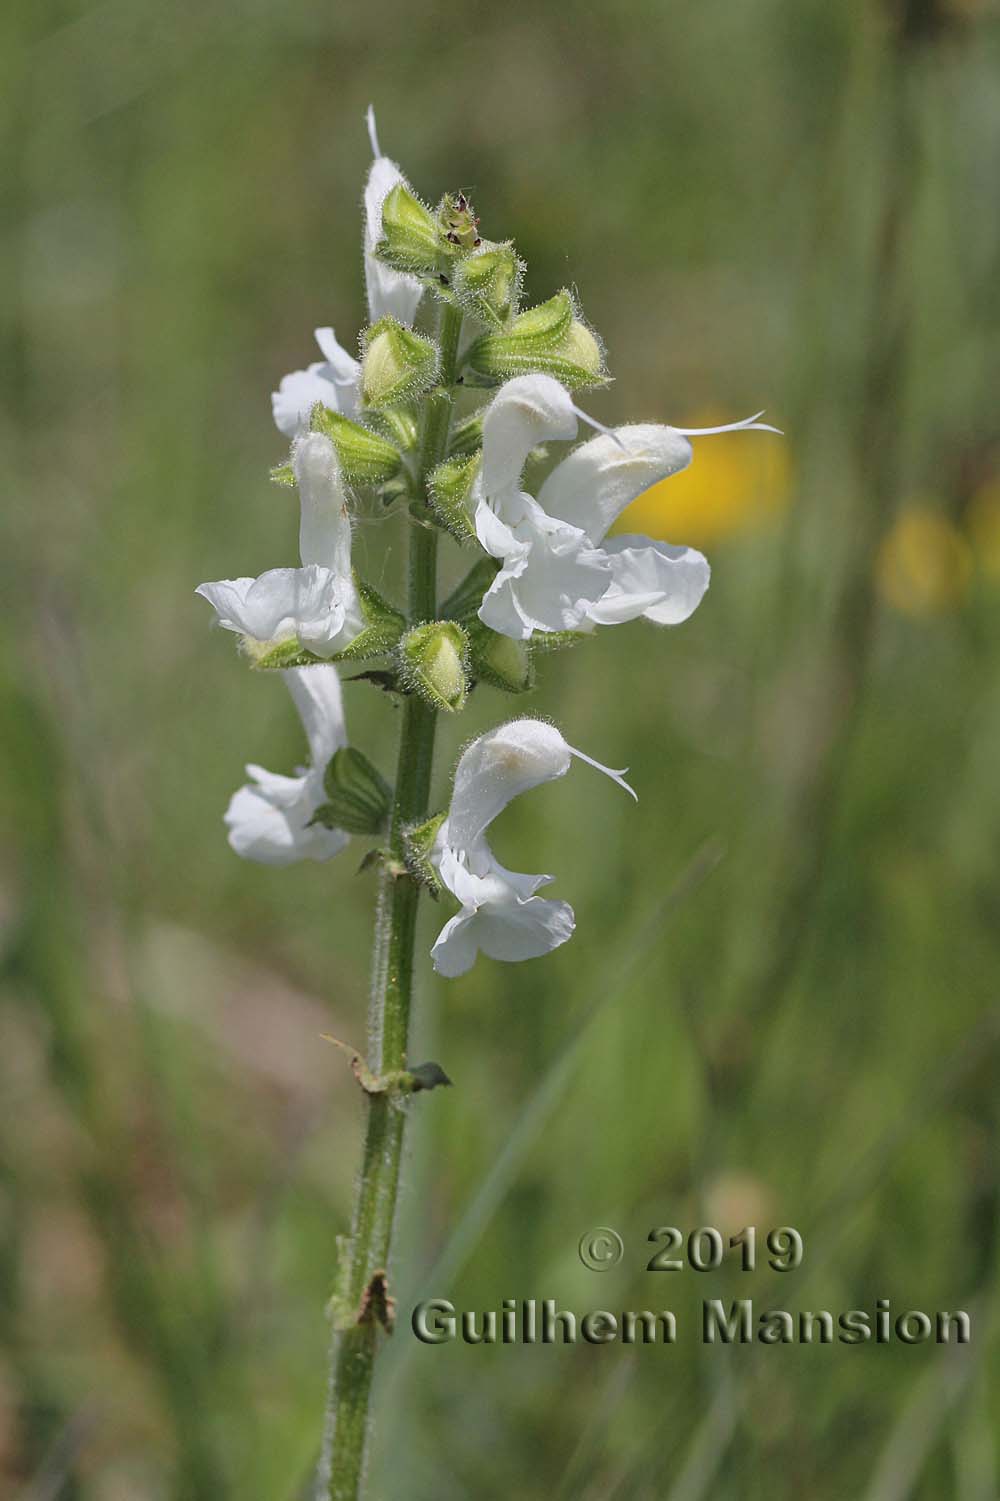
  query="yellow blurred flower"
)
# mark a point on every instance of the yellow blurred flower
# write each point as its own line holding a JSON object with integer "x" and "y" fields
{"x": 924, "y": 564}
{"x": 736, "y": 482}
{"x": 984, "y": 526}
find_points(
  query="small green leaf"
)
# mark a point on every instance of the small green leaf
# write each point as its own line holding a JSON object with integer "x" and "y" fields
{"x": 358, "y": 796}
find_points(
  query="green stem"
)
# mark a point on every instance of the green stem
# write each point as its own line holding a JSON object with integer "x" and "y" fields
{"x": 355, "y": 1344}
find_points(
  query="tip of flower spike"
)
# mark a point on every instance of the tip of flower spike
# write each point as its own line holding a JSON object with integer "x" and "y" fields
{"x": 600, "y": 427}
{"x": 372, "y": 130}
{"x": 616, "y": 776}
{"x": 748, "y": 424}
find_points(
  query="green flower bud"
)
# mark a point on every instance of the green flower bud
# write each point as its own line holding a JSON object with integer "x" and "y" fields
{"x": 433, "y": 662}
{"x": 365, "y": 457}
{"x": 549, "y": 338}
{"x": 459, "y": 225}
{"x": 411, "y": 237}
{"x": 283, "y": 474}
{"x": 359, "y": 797}
{"x": 450, "y": 486}
{"x": 500, "y": 660}
{"x": 418, "y": 845}
{"x": 487, "y": 283}
{"x": 398, "y": 364}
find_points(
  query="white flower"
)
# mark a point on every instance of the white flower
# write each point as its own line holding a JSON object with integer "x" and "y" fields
{"x": 333, "y": 381}
{"x": 551, "y": 574}
{"x": 269, "y": 818}
{"x": 559, "y": 571}
{"x": 500, "y": 914}
{"x": 390, "y": 293}
{"x": 317, "y": 604}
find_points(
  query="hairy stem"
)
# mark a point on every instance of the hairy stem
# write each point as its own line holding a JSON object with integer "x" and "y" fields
{"x": 361, "y": 1311}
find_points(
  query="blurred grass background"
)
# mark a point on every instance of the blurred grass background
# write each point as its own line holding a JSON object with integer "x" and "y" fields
{"x": 780, "y": 1005}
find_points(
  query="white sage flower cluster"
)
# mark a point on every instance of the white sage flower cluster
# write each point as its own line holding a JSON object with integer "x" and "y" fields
{"x": 389, "y": 429}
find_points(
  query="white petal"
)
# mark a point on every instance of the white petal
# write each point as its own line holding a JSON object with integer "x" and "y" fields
{"x": 560, "y": 583}
{"x": 284, "y": 602}
{"x": 327, "y": 614}
{"x": 495, "y": 768}
{"x": 228, "y": 599}
{"x": 497, "y": 537}
{"x": 524, "y": 930}
{"x": 296, "y": 396}
{"x": 594, "y": 484}
{"x": 475, "y": 877}
{"x": 341, "y": 369}
{"x": 325, "y": 525}
{"x": 390, "y": 293}
{"x": 500, "y": 610}
{"x": 510, "y": 931}
{"x": 526, "y": 411}
{"x": 455, "y": 949}
{"x": 551, "y": 574}
{"x": 279, "y": 790}
{"x": 316, "y": 694}
{"x": 278, "y": 835}
{"x": 664, "y": 583}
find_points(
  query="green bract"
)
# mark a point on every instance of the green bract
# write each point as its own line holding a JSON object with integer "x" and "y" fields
{"x": 358, "y": 796}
